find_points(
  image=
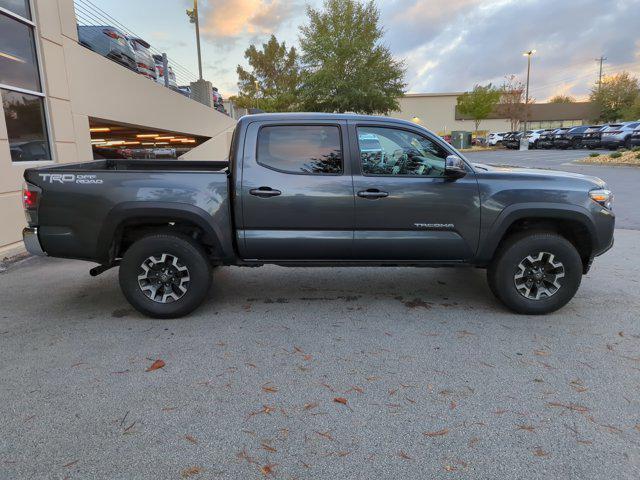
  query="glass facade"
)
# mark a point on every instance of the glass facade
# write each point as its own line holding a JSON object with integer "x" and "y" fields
{"x": 19, "y": 7}
{"x": 25, "y": 118}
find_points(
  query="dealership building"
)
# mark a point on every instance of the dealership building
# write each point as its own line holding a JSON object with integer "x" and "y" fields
{"x": 61, "y": 101}
{"x": 438, "y": 112}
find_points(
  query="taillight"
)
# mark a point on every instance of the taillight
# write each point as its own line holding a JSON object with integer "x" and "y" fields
{"x": 111, "y": 33}
{"x": 142, "y": 65}
{"x": 29, "y": 198}
{"x": 160, "y": 70}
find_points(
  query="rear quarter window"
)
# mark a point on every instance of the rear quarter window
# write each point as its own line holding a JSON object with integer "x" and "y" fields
{"x": 301, "y": 149}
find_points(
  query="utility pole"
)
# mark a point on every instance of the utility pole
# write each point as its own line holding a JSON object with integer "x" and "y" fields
{"x": 601, "y": 60}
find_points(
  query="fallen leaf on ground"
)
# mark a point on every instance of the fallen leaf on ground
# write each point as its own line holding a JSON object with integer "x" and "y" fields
{"x": 269, "y": 388}
{"x": 326, "y": 435}
{"x": 191, "y": 472}
{"x": 310, "y": 406}
{"x": 403, "y": 455}
{"x": 341, "y": 400}
{"x": 268, "y": 469}
{"x": 268, "y": 448}
{"x": 528, "y": 428}
{"x": 541, "y": 353}
{"x": 437, "y": 433}
{"x": 538, "y": 452}
{"x": 190, "y": 439}
{"x": 158, "y": 364}
{"x": 570, "y": 406}
{"x": 452, "y": 405}
{"x": 70, "y": 464}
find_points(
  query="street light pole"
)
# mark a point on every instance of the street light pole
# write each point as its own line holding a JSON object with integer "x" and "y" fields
{"x": 524, "y": 141}
{"x": 196, "y": 20}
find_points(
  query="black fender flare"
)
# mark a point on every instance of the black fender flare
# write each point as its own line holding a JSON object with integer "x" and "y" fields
{"x": 126, "y": 211}
{"x": 542, "y": 211}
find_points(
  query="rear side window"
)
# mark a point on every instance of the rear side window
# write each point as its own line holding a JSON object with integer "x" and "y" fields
{"x": 302, "y": 149}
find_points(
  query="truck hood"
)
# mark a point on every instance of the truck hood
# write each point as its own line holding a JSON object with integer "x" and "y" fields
{"x": 508, "y": 170}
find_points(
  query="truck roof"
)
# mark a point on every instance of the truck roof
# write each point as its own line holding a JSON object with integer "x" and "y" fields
{"x": 321, "y": 116}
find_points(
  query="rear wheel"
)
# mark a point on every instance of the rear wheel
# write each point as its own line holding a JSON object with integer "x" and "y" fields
{"x": 576, "y": 144}
{"x": 627, "y": 143}
{"x": 165, "y": 275}
{"x": 535, "y": 273}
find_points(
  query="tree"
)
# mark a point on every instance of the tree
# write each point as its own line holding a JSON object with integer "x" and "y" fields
{"x": 345, "y": 66}
{"x": 512, "y": 101}
{"x": 632, "y": 112}
{"x": 274, "y": 79}
{"x": 615, "y": 95}
{"x": 479, "y": 103}
{"x": 562, "y": 99}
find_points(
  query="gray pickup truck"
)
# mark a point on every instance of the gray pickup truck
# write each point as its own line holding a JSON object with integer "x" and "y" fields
{"x": 320, "y": 190}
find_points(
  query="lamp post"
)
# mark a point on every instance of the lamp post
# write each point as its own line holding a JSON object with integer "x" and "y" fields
{"x": 524, "y": 141}
{"x": 193, "y": 18}
{"x": 257, "y": 85}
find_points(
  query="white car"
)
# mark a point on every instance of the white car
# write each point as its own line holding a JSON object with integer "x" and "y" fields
{"x": 534, "y": 135}
{"x": 495, "y": 138}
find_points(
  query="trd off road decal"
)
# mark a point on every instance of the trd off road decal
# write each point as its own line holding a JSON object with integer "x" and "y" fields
{"x": 70, "y": 178}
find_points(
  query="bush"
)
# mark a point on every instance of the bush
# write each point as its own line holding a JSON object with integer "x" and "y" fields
{"x": 594, "y": 154}
{"x": 638, "y": 156}
{"x": 635, "y": 149}
{"x": 615, "y": 155}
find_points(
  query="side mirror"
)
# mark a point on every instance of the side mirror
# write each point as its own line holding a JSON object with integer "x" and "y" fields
{"x": 454, "y": 167}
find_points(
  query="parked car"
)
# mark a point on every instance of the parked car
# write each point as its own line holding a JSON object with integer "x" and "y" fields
{"x": 535, "y": 231}
{"x": 144, "y": 60}
{"x": 109, "y": 42}
{"x": 635, "y": 137}
{"x": 495, "y": 138}
{"x": 512, "y": 141}
{"x": 173, "y": 84}
{"x": 533, "y": 136}
{"x": 592, "y": 136}
{"x": 559, "y": 137}
{"x": 546, "y": 138}
{"x": 572, "y": 138}
{"x": 506, "y": 137}
{"x": 618, "y": 135}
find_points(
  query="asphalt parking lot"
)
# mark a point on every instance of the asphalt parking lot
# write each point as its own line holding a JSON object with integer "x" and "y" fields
{"x": 325, "y": 373}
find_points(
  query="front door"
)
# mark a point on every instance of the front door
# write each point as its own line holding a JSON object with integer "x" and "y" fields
{"x": 297, "y": 192}
{"x": 406, "y": 208}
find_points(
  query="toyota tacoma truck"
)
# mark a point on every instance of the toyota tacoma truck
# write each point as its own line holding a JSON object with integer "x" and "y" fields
{"x": 320, "y": 190}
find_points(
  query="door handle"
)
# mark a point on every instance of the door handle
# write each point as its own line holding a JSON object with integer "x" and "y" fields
{"x": 372, "y": 193}
{"x": 264, "y": 192}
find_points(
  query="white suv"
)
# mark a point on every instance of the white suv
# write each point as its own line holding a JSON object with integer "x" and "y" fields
{"x": 534, "y": 136}
{"x": 495, "y": 138}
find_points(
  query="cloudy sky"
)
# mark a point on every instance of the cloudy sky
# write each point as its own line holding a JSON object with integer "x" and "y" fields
{"x": 447, "y": 45}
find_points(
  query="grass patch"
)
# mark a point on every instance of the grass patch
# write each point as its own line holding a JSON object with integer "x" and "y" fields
{"x": 594, "y": 154}
{"x": 616, "y": 155}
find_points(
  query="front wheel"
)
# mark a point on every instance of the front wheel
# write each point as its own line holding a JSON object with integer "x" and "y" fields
{"x": 165, "y": 275}
{"x": 535, "y": 273}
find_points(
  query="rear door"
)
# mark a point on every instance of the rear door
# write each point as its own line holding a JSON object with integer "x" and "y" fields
{"x": 406, "y": 209}
{"x": 297, "y": 192}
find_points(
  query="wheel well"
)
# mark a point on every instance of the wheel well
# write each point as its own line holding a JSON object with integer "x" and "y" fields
{"x": 132, "y": 230}
{"x": 573, "y": 230}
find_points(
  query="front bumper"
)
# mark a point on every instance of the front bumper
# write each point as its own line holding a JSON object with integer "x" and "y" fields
{"x": 32, "y": 242}
{"x": 612, "y": 142}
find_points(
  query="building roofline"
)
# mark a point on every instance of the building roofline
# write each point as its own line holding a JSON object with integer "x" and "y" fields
{"x": 442, "y": 94}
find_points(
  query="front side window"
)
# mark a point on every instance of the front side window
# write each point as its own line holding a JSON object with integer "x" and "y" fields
{"x": 24, "y": 115}
{"x": 302, "y": 149}
{"x": 390, "y": 151}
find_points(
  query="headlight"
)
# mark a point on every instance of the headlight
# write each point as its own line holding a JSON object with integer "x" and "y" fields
{"x": 602, "y": 196}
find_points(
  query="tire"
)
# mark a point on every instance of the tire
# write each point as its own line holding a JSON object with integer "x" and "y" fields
{"x": 627, "y": 143}
{"x": 591, "y": 147}
{"x": 515, "y": 255}
{"x": 576, "y": 144}
{"x": 188, "y": 279}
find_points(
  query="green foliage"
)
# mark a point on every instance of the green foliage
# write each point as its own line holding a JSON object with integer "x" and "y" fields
{"x": 615, "y": 155}
{"x": 346, "y": 68}
{"x": 632, "y": 112}
{"x": 273, "y": 82}
{"x": 616, "y": 96}
{"x": 594, "y": 154}
{"x": 635, "y": 149}
{"x": 562, "y": 99}
{"x": 638, "y": 156}
{"x": 479, "y": 103}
